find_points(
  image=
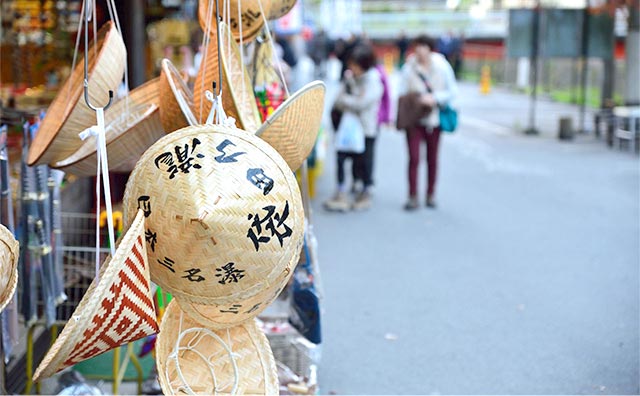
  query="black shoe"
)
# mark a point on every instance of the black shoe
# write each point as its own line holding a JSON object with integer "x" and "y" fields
{"x": 412, "y": 204}
{"x": 431, "y": 203}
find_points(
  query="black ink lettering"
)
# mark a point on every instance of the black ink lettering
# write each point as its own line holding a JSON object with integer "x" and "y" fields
{"x": 151, "y": 238}
{"x": 224, "y": 157}
{"x": 259, "y": 179}
{"x": 192, "y": 275}
{"x": 144, "y": 204}
{"x": 229, "y": 274}
{"x": 168, "y": 263}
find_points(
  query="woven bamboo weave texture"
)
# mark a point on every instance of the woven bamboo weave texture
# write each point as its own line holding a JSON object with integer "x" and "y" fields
{"x": 252, "y": 19}
{"x": 9, "y": 254}
{"x": 68, "y": 114}
{"x": 225, "y": 223}
{"x": 172, "y": 85}
{"x": 293, "y": 128}
{"x": 115, "y": 310}
{"x": 128, "y": 136}
{"x": 257, "y": 372}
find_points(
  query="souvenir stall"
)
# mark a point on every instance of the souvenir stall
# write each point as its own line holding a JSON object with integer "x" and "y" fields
{"x": 209, "y": 264}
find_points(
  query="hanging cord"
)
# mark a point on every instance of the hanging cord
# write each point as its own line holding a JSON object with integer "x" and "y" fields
{"x": 191, "y": 347}
{"x": 273, "y": 48}
{"x": 242, "y": 65}
{"x": 113, "y": 14}
{"x": 206, "y": 38}
{"x": 77, "y": 47}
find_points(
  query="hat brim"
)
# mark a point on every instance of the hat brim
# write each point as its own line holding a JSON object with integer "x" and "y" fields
{"x": 9, "y": 255}
{"x": 68, "y": 115}
{"x": 238, "y": 98}
{"x": 293, "y": 127}
{"x": 280, "y": 8}
{"x": 251, "y": 25}
{"x": 173, "y": 90}
{"x": 250, "y": 353}
{"x": 127, "y": 137}
{"x": 116, "y": 309}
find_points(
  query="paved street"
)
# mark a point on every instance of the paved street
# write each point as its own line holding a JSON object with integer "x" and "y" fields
{"x": 524, "y": 280}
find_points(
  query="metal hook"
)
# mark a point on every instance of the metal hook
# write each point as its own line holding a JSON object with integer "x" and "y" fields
{"x": 87, "y": 17}
{"x": 219, "y": 51}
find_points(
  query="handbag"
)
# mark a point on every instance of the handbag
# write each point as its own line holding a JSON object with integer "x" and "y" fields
{"x": 350, "y": 134}
{"x": 410, "y": 111}
{"x": 448, "y": 119}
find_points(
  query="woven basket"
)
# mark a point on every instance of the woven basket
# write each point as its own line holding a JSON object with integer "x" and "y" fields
{"x": 256, "y": 369}
{"x": 68, "y": 114}
{"x": 293, "y": 128}
{"x": 212, "y": 315}
{"x": 279, "y": 8}
{"x": 115, "y": 310}
{"x": 215, "y": 242}
{"x": 9, "y": 254}
{"x": 252, "y": 19}
{"x": 127, "y": 137}
{"x": 172, "y": 86}
{"x": 237, "y": 91}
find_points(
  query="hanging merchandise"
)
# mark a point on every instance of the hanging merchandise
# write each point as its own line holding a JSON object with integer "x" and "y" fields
{"x": 305, "y": 301}
{"x": 194, "y": 359}
{"x": 131, "y": 126}
{"x": 267, "y": 86}
{"x": 176, "y": 99}
{"x": 9, "y": 251}
{"x": 279, "y": 8}
{"x": 244, "y": 17}
{"x": 116, "y": 309}
{"x": 68, "y": 115}
{"x": 224, "y": 221}
{"x": 237, "y": 91}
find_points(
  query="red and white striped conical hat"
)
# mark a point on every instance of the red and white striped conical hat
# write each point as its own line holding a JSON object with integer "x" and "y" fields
{"x": 116, "y": 309}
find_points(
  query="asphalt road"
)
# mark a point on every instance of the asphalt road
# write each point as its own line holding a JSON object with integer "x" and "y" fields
{"x": 524, "y": 280}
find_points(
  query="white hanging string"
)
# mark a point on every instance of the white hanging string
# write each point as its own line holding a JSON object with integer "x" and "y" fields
{"x": 76, "y": 50}
{"x": 217, "y": 114}
{"x": 113, "y": 14}
{"x": 98, "y": 131}
{"x": 191, "y": 347}
{"x": 242, "y": 65}
{"x": 206, "y": 38}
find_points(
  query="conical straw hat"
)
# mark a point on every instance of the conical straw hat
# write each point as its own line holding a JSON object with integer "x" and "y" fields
{"x": 116, "y": 309}
{"x": 9, "y": 254}
{"x": 237, "y": 91}
{"x": 279, "y": 8}
{"x": 293, "y": 128}
{"x": 127, "y": 137}
{"x": 68, "y": 114}
{"x": 251, "y": 15}
{"x": 225, "y": 213}
{"x": 173, "y": 90}
{"x": 212, "y": 362}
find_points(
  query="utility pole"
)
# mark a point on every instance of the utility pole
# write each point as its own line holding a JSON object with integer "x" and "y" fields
{"x": 535, "y": 42}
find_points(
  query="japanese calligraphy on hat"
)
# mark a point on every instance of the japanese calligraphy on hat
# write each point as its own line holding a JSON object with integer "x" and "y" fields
{"x": 224, "y": 218}
{"x": 68, "y": 115}
{"x": 116, "y": 309}
{"x": 176, "y": 99}
{"x": 238, "y": 98}
{"x": 132, "y": 126}
{"x": 293, "y": 128}
{"x": 244, "y": 17}
{"x": 279, "y": 8}
{"x": 196, "y": 360}
{"x": 9, "y": 254}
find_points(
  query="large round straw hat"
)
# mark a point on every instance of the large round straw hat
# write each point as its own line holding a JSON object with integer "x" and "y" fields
{"x": 250, "y": 15}
{"x": 293, "y": 128}
{"x": 176, "y": 99}
{"x": 213, "y": 362}
{"x": 237, "y": 91}
{"x": 9, "y": 254}
{"x": 127, "y": 137}
{"x": 226, "y": 217}
{"x": 116, "y": 309}
{"x": 68, "y": 114}
{"x": 279, "y": 8}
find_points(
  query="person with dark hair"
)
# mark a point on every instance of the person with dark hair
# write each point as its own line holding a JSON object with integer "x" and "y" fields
{"x": 360, "y": 93}
{"x": 429, "y": 74}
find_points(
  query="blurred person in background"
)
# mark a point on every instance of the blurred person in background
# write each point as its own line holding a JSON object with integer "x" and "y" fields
{"x": 403, "y": 46}
{"x": 360, "y": 93}
{"x": 429, "y": 74}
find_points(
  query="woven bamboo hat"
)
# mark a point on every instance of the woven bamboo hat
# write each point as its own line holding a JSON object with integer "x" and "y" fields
{"x": 127, "y": 137}
{"x": 212, "y": 362}
{"x": 293, "y": 128}
{"x": 116, "y": 309}
{"x": 9, "y": 254}
{"x": 68, "y": 114}
{"x": 279, "y": 8}
{"x": 237, "y": 91}
{"x": 250, "y": 13}
{"x": 176, "y": 99}
{"x": 224, "y": 218}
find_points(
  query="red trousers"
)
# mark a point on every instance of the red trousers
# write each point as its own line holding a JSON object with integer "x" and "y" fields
{"x": 415, "y": 136}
